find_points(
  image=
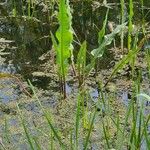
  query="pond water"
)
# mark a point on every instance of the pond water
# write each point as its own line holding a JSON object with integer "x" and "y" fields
{"x": 32, "y": 41}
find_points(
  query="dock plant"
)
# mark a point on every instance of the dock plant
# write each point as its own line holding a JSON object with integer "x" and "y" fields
{"x": 64, "y": 46}
{"x": 106, "y": 40}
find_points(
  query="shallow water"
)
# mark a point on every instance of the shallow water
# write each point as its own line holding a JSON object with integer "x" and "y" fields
{"x": 31, "y": 44}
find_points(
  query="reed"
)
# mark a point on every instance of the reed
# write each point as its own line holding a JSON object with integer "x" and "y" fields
{"x": 89, "y": 132}
{"x": 27, "y": 133}
{"x": 122, "y": 22}
{"x": 81, "y": 63}
{"x": 130, "y": 25}
{"x": 47, "y": 117}
{"x": 130, "y": 129}
{"x": 14, "y": 11}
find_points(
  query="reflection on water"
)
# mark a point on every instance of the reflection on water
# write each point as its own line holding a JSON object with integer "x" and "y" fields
{"x": 94, "y": 94}
{"x": 8, "y": 90}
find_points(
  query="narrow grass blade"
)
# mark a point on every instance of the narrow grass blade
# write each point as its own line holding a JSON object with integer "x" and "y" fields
{"x": 81, "y": 63}
{"x": 29, "y": 138}
{"x": 122, "y": 21}
{"x": 130, "y": 26}
{"x": 71, "y": 141}
{"x": 7, "y": 131}
{"x": 38, "y": 147}
{"x": 126, "y": 59}
{"x": 145, "y": 132}
{"x": 89, "y": 133}
{"x": 122, "y": 136}
{"x": 105, "y": 135}
{"x": 77, "y": 120}
{"x": 47, "y": 117}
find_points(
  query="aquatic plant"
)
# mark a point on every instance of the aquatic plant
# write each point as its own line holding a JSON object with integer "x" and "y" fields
{"x": 81, "y": 63}
{"x": 122, "y": 22}
{"x": 64, "y": 47}
{"x": 98, "y": 52}
{"x": 129, "y": 58}
{"x": 91, "y": 116}
{"x": 130, "y": 25}
{"x": 47, "y": 116}
{"x": 101, "y": 38}
{"x": 90, "y": 131}
{"x": 27, "y": 133}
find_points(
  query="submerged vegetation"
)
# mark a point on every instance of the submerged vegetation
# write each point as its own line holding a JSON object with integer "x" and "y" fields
{"x": 71, "y": 78}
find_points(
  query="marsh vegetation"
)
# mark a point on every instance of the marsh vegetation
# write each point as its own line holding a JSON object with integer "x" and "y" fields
{"x": 74, "y": 74}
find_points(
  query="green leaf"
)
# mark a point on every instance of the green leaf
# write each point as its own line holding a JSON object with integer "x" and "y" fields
{"x": 107, "y": 41}
{"x": 55, "y": 45}
{"x": 47, "y": 117}
{"x": 89, "y": 132}
{"x": 126, "y": 59}
{"x": 64, "y": 35}
{"x": 81, "y": 60}
{"x": 29, "y": 137}
{"x": 101, "y": 34}
{"x": 147, "y": 97}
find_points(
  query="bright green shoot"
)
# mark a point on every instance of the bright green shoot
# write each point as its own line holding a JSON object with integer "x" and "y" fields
{"x": 14, "y": 11}
{"x": 122, "y": 21}
{"x": 97, "y": 53}
{"x": 130, "y": 26}
{"x": 81, "y": 63}
{"x": 64, "y": 47}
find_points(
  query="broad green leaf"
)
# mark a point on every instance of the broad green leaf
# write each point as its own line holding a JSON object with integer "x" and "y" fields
{"x": 107, "y": 41}
{"x": 64, "y": 35}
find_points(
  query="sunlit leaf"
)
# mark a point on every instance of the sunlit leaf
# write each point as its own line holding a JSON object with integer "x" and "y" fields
{"x": 107, "y": 41}
{"x": 64, "y": 35}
